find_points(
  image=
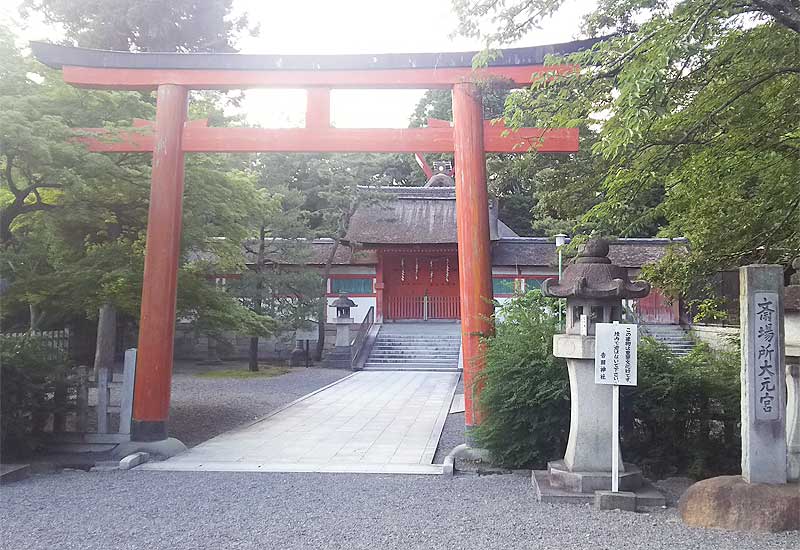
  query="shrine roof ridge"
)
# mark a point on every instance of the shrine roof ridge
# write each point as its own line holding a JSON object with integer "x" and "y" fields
{"x": 58, "y": 56}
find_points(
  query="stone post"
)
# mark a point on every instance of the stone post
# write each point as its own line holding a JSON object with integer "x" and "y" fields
{"x": 763, "y": 407}
{"x": 298, "y": 354}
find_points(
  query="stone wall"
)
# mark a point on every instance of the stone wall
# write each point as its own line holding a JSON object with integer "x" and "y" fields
{"x": 717, "y": 336}
{"x": 192, "y": 346}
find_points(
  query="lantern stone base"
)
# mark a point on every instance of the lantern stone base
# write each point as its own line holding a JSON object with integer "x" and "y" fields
{"x": 589, "y": 482}
{"x": 647, "y": 496}
{"x": 623, "y": 500}
{"x": 339, "y": 358}
{"x": 729, "y": 502}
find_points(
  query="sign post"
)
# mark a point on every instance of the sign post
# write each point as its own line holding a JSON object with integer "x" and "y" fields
{"x": 615, "y": 363}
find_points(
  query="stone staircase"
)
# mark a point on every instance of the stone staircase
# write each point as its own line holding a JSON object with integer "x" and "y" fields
{"x": 416, "y": 347}
{"x": 672, "y": 336}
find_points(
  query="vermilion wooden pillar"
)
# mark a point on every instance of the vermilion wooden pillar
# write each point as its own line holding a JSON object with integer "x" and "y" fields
{"x": 379, "y": 286}
{"x": 474, "y": 247}
{"x": 157, "y": 324}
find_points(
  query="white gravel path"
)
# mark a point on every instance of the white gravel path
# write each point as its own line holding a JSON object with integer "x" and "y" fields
{"x": 155, "y": 510}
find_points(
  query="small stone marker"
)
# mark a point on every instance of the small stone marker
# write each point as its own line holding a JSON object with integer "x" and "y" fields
{"x": 763, "y": 365}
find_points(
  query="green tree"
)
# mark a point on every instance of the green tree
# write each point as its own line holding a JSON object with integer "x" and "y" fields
{"x": 145, "y": 25}
{"x": 698, "y": 108}
{"x": 276, "y": 284}
{"x": 333, "y": 187}
{"x": 74, "y": 222}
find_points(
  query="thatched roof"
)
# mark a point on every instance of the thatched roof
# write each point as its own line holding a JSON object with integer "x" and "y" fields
{"x": 414, "y": 215}
{"x": 541, "y": 252}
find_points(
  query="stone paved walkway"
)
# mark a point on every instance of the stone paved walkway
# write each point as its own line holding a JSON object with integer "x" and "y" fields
{"x": 370, "y": 422}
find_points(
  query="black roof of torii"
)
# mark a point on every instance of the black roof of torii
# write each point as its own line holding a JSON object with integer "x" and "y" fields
{"x": 57, "y": 56}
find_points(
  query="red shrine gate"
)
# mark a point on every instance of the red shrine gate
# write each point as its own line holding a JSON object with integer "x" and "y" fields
{"x": 173, "y": 75}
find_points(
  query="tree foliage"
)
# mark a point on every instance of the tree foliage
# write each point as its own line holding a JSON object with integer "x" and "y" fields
{"x": 145, "y": 25}
{"x": 74, "y": 222}
{"x": 698, "y": 107}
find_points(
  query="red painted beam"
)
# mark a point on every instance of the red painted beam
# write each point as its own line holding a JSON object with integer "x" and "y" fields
{"x": 149, "y": 79}
{"x": 318, "y": 108}
{"x": 474, "y": 245}
{"x": 336, "y": 140}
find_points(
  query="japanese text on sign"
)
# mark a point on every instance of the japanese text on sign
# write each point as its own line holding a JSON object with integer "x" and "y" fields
{"x": 615, "y": 354}
{"x": 766, "y": 356}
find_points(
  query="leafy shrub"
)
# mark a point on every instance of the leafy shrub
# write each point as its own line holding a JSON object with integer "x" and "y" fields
{"x": 525, "y": 397}
{"x": 684, "y": 415}
{"x": 28, "y": 373}
{"x": 682, "y": 418}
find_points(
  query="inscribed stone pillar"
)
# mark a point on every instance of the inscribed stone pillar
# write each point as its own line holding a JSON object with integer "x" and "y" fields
{"x": 762, "y": 378}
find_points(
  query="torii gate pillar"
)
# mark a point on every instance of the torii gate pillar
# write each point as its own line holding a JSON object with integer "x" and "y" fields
{"x": 474, "y": 246}
{"x": 159, "y": 292}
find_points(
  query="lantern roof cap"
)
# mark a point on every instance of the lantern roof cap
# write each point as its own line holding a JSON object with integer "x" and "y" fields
{"x": 343, "y": 301}
{"x": 592, "y": 275}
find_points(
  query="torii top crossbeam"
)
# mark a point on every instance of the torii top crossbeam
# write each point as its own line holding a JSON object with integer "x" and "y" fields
{"x": 171, "y": 135}
{"x": 318, "y": 74}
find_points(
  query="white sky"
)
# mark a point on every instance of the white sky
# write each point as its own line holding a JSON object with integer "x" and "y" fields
{"x": 346, "y": 26}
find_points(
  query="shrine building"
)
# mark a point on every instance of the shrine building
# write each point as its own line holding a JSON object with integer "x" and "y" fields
{"x": 400, "y": 257}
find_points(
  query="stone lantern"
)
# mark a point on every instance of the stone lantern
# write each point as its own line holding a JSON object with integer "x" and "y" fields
{"x": 343, "y": 304}
{"x": 340, "y": 357}
{"x": 594, "y": 289}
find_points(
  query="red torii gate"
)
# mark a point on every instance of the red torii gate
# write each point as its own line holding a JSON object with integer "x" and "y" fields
{"x": 173, "y": 75}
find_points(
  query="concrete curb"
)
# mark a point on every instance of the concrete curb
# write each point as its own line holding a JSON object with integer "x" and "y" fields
{"x": 448, "y": 466}
{"x": 14, "y": 472}
{"x": 133, "y": 460}
{"x": 166, "y": 448}
{"x": 464, "y": 452}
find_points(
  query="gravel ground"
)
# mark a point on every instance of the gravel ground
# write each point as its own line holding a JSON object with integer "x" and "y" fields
{"x": 171, "y": 510}
{"x": 202, "y": 408}
{"x": 179, "y": 510}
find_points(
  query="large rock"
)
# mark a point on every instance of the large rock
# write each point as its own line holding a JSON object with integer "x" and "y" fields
{"x": 729, "y": 502}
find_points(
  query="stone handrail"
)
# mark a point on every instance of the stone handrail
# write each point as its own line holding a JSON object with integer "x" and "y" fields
{"x": 361, "y": 336}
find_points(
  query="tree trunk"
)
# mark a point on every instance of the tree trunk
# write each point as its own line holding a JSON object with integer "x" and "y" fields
{"x": 36, "y": 316}
{"x": 258, "y": 306}
{"x": 253, "y": 364}
{"x": 212, "y": 355}
{"x": 106, "y": 339}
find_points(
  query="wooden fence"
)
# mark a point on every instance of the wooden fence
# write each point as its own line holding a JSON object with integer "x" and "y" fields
{"x": 423, "y": 307}
{"x": 76, "y": 395}
{"x": 57, "y": 341}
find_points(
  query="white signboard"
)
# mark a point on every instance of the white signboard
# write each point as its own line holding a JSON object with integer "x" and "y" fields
{"x": 615, "y": 354}
{"x": 766, "y": 356}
